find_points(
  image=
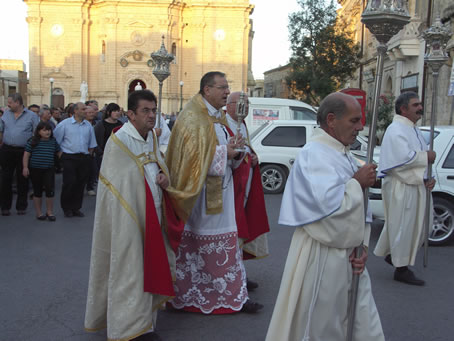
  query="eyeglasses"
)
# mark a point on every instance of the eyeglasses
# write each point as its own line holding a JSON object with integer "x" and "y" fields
{"x": 220, "y": 87}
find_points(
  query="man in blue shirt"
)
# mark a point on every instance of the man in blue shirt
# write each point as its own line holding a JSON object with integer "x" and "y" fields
{"x": 18, "y": 126}
{"x": 76, "y": 138}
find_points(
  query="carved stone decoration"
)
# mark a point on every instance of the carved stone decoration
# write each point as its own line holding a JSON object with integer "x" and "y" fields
{"x": 133, "y": 57}
{"x": 137, "y": 55}
{"x": 34, "y": 20}
{"x": 137, "y": 38}
{"x": 124, "y": 62}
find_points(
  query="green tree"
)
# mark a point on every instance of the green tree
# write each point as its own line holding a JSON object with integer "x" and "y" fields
{"x": 324, "y": 54}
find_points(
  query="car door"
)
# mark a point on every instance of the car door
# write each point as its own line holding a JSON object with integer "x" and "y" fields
{"x": 445, "y": 168}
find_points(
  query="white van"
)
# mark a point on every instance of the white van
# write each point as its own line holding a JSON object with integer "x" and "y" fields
{"x": 263, "y": 109}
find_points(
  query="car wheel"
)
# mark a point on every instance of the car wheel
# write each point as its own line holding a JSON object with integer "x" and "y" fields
{"x": 273, "y": 179}
{"x": 443, "y": 225}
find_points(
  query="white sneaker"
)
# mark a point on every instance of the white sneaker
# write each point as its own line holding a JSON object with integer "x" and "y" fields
{"x": 91, "y": 193}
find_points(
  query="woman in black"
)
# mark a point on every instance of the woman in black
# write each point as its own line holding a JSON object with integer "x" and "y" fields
{"x": 104, "y": 128}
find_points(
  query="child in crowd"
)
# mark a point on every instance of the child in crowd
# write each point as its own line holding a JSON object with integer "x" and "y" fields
{"x": 39, "y": 156}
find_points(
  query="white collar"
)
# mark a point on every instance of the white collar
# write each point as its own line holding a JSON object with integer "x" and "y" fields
{"x": 323, "y": 137}
{"x": 130, "y": 130}
{"x": 212, "y": 111}
{"x": 403, "y": 120}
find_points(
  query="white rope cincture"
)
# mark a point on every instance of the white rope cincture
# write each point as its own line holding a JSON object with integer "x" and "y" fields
{"x": 316, "y": 289}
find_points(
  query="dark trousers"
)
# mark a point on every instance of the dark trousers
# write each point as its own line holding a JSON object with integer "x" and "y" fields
{"x": 76, "y": 169}
{"x": 43, "y": 180}
{"x": 11, "y": 161}
{"x": 93, "y": 176}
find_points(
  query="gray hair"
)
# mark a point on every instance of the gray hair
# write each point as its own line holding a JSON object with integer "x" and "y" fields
{"x": 335, "y": 103}
{"x": 403, "y": 100}
{"x": 17, "y": 98}
{"x": 42, "y": 109}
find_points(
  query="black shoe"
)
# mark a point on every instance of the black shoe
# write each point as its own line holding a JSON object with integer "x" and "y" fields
{"x": 69, "y": 214}
{"x": 408, "y": 277}
{"x": 21, "y": 212}
{"x": 78, "y": 213}
{"x": 251, "y": 307}
{"x": 251, "y": 285}
{"x": 389, "y": 260}
{"x": 148, "y": 337}
{"x": 6, "y": 212}
{"x": 51, "y": 217}
{"x": 41, "y": 217}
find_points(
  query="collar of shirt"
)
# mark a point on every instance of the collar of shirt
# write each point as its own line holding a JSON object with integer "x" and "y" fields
{"x": 73, "y": 121}
{"x": 212, "y": 111}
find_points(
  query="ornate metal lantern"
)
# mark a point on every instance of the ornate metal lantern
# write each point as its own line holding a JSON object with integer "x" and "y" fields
{"x": 161, "y": 60}
{"x": 384, "y": 19}
{"x": 436, "y": 38}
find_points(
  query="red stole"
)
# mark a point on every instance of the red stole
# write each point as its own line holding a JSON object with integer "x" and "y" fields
{"x": 251, "y": 220}
{"x": 157, "y": 278}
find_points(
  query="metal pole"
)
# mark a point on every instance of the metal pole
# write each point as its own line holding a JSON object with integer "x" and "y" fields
{"x": 381, "y": 49}
{"x": 181, "y": 97}
{"x": 159, "y": 104}
{"x": 51, "y": 91}
{"x": 429, "y": 168}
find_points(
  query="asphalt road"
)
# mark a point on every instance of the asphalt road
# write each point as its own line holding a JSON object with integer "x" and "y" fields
{"x": 44, "y": 276}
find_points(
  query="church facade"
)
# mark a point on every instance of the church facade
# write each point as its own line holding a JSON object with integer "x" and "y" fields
{"x": 404, "y": 68}
{"x": 107, "y": 44}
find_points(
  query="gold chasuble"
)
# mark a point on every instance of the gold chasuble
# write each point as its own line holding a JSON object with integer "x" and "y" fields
{"x": 189, "y": 155}
{"x": 117, "y": 299}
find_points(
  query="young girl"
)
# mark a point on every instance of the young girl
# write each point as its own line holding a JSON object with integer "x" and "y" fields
{"x": 39, "y": 155}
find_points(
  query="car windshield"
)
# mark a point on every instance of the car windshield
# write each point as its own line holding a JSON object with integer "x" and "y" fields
{"x": 258, "y": 130}
{"x": 426, "y": 135}
{"x": 301, "y": 113}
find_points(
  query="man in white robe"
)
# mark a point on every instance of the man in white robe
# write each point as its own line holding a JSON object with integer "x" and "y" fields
{"x": 251, "y": 217}
{"x": 323, "y": 198}
{"x": 403, "y": 166}
{"x": 132, "y": 263}
{"x": 163, "y": 133}
{"x": 210, "y": 274}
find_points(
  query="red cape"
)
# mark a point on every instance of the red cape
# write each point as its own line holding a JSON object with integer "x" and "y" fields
{"x": 251, "y": 220}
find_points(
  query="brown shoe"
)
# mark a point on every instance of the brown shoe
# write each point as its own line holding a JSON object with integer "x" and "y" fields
{"x": 6, "y": 212}
{"x": 251, "y": 307}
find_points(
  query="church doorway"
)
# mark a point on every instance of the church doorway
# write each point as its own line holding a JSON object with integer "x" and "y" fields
{"x": 58, "y": 98}
{"x": 136, "y": 83}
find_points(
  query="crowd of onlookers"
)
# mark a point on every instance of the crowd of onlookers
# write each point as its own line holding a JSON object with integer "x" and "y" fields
{"x": 39, "y": 141}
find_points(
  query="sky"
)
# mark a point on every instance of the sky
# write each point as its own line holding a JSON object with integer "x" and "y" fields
{"x": 270, "y": 39}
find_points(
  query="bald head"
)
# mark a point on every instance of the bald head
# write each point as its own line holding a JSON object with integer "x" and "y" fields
{"x": 231, "y": 103}
{"x": 336, "y": 103}
{"x": 340, "y": 116}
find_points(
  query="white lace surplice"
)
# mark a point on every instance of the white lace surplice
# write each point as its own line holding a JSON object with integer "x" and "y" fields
{"x": 210, "y": 272}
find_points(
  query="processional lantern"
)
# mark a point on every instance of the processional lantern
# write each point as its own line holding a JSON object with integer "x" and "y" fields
{"x": 384, "y": 19}
{"x": 436, "y": 37}
{"x": 161, "y": 61}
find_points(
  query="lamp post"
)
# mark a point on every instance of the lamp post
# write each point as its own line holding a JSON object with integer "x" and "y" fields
{"x": 161, "y": 60}
{"x": 181, "y": 95}
{"x": 436, "y": 38}
{"x": 384, "y": 19}
{"x": 51, "y": 80}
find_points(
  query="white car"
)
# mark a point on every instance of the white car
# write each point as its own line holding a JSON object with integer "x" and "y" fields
{"x": 277, "y": 144}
